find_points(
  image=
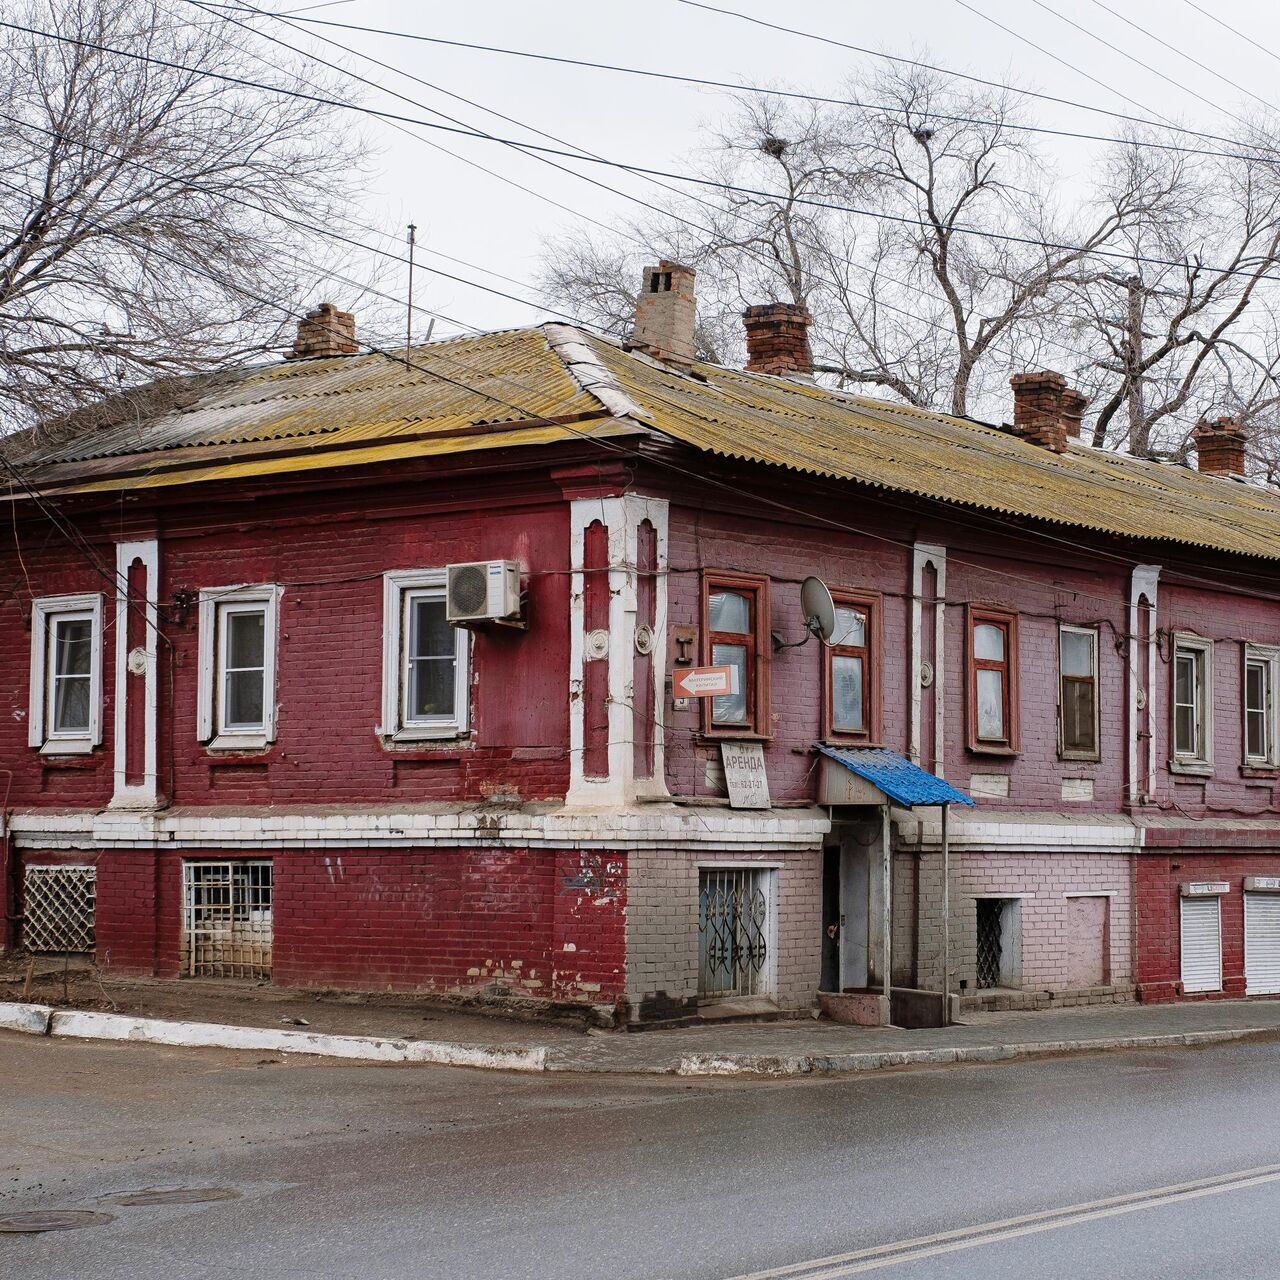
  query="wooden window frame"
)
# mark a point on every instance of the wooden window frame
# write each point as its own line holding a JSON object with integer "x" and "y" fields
{"x": 977, "y": 615}
{"x": 1064, "y": 753}
{"x": 46, "y": 613}
{"x": 398, "y": 588}
{"x": 211, "y": 674}
{"x": 871, "y": 603}
{"x": 1201, "y": 761}
{"x": 1268, "y": 657}
{"x": 758, "y": 652}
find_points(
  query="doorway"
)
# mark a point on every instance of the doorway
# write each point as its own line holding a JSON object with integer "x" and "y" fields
{"x": 845, "y": 915}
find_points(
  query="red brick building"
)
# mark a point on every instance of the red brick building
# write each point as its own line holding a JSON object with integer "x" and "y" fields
{"x": 255, "y": 725}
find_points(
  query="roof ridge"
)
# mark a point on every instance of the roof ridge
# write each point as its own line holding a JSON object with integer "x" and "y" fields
{"x": 573, "y": 348}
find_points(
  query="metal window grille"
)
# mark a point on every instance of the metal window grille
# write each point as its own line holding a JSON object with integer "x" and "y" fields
{"x": 990, "y": 919}
{"x": 58, "y": 906}
{"x": 226, "y": 918}
{"x": 733, "y": 932}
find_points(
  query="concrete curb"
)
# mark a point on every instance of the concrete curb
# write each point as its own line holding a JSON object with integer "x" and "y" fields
{"x": 30, "y": 1018}
{"x": 40, "y": 1020}
{"x": 112, "y": 1026}
{"x": 709, "y": 1064}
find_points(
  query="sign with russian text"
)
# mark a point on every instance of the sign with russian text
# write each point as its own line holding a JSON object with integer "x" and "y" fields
{"x": 704, "y": 682}
{"x": 1262, "y": 884}
{"x": 744, "y": 775}
{"x": 1205, "y": 888}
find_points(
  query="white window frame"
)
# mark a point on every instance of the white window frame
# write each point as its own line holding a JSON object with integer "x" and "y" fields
{"x": 44, "y": 612}
{"x": 395, "y": 587}
{"x": 1268, "y": 657}
{"x": 1200, "y": 761}
{"x": 210, "y": 693}
{"x": 1063, "y": 752}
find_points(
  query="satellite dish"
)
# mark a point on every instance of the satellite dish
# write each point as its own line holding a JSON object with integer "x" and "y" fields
{"x": 818, "y": 608}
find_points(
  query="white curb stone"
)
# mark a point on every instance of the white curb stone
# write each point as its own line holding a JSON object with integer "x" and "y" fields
{"x": 114, "y": 1026}
{"x": 31, "y": 1018}
{"x": 710, "y": 1064}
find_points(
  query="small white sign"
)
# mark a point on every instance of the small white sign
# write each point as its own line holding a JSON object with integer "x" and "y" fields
{"x": 745, "y": 775}
{"x": 1262, "y": 884}
{"x": 1205, "y": 888}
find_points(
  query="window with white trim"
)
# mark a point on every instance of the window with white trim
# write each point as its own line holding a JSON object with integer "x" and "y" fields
{"x": 66, "y": 674}
{"x": 425, "y": 661}
{"x": 237, "y": 698}
{"x": 1261, "y": 664}
{"x": 1192, "y": 703}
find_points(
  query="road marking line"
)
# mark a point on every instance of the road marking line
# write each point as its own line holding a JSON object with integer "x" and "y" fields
{"x": 836, "y": 1266}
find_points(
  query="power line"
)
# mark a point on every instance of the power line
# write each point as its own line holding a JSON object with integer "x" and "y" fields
{"x": 1146, "y": 66}
{"x": 959, "y": 75}
{"x": 733, "y": 87}
{"x": 666, "y": 213}
{"x": 1226, "y": 26}
{"x": 701, "y": 478}
{"x": 902, "y": 219}
{"x": 1204, "y": 66}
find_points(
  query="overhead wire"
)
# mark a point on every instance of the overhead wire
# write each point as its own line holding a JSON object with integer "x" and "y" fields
{"x": 947, "y": 71}
{"x": 736, "y": 87}
{"x": 872, "y": 273}
{"x": 693, "y": 179}
{"x": 1204, "y": 66}
{"x": 527, "y": 414}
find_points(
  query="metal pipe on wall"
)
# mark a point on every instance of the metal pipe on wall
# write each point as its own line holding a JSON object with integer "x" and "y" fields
{"x": 946, "y": 919}
{"x": 886, "y": 944}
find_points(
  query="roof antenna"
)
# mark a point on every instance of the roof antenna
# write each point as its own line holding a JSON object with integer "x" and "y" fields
{"x": 412, "y": 238}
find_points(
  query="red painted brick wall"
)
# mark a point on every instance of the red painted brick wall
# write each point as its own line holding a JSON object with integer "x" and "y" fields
{"x": 546, "y": 924}
{"x": 1158, "y": 875}
{"x": 330, "y": 555}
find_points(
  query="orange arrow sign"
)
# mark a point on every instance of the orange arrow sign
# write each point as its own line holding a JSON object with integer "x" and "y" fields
{"x": 704, "y": 682}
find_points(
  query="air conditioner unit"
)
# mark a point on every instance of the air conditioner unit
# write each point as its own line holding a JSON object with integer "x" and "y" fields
{"x": 486, "y": 591}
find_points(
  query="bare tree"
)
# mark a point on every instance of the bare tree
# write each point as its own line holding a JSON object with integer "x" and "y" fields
{"x": 1186, "y": 327}
{"x": 153, "y": 219}
{"x": 939, "y": 252}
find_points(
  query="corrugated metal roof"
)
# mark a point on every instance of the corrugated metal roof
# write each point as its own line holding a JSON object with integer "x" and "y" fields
{"x": 499, "y": 390}
{"x": 496, "y": 378}
{"x": 808, "y": 428}
{"x": 903, "y": 782}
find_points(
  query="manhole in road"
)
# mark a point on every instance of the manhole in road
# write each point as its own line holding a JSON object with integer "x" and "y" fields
{"x": 53, "y": 1220}
{"x": 171, "y": 1195}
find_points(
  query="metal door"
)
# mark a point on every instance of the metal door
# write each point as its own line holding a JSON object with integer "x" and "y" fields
{"x": 733, "y": 932}
{"x": 1261, "y": 944}
{"x": 1201, "y": 944}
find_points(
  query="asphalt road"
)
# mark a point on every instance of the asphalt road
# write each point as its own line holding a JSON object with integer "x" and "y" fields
{"x": 1119, "y": 1165}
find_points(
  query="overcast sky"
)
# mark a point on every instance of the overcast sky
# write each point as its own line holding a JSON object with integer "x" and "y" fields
{"x": 463, "y": 212}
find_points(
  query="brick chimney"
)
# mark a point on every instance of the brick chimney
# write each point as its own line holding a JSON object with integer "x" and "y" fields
{"x": 1038, "y": 410}
{"x": 325, "y": 331}
{"x": 778, "y": 338}
{"x": 665, "y": 313}
{"x": 1220, "y": 447}
{"x": 1073, "y": 406}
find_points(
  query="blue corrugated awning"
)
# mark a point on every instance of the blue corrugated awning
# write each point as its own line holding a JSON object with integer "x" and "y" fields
{"x": 903, "y": 782}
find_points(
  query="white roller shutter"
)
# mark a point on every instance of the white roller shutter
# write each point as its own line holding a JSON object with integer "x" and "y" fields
{"x": 1261, "y": 943}
{"x": 1201, "y": 944}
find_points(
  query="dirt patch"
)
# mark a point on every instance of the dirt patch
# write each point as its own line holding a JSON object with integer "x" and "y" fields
{"x": 78, "y": 985}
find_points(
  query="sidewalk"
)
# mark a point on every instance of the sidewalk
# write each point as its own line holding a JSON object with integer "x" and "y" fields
{"x": 391, "y": 1028}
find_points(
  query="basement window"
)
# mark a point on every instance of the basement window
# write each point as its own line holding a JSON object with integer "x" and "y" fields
{"x": 226, "y": 919}
{"x": 237, "y": 676}
{"x": 425, "y": 661}
{"x": 66, "y": 674}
